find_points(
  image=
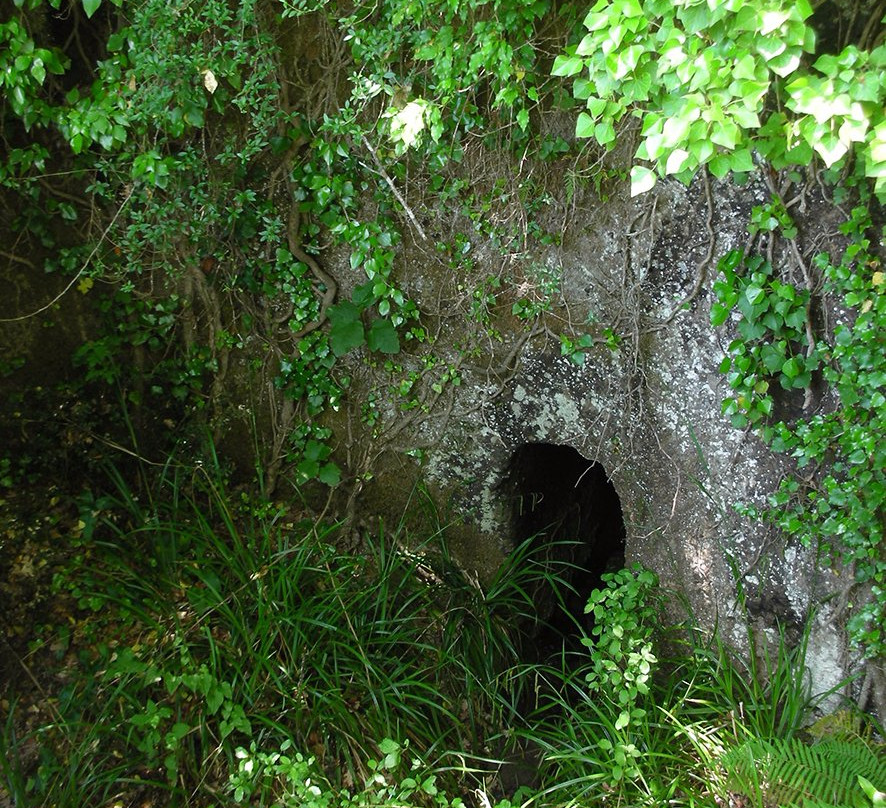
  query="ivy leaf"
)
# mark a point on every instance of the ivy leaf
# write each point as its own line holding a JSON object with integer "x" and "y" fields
{"x": 596, "y": 106}
{"x": 719, "y": 315}
{"x": 742, "y": 161}
{"x": 38, "y": 71}
{"x": 745, "y": 68}
{"x": 581, "y": 89}
{"x": 642, "y": 180}
{"x": 785, "y": 64}
{"x": 830, "y": 148}
{"x": 676, "y": 161}
{"x": 584, "y": 125}
{"x": 346, "y": 330}
{"x": 567, "y": 65}
{"x": 90, "y": 7}
{"x": 791, "y": 368}
{"x": 604, "y": 132}
{"x": 383, "y": 337}
{"x": 330, "y": 474}
{"x": 773, "y": 20}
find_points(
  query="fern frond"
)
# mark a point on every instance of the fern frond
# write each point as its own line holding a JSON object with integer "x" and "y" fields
{"x": 792, "y": 773}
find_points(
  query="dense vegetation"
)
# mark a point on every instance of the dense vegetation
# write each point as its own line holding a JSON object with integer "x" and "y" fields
{"x": 186, "y": 168}
{"x": 251, "y": 662}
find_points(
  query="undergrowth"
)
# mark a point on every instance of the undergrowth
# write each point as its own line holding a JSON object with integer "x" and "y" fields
{"x": 229, "y": 652}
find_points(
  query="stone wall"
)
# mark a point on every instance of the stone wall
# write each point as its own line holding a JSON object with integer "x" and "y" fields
{"x": 645, "y": 405}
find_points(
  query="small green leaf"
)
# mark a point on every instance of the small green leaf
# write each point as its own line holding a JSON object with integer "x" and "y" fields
{"x": 38, "y": 71}
{"x": 330, "y": 474}
{"x": 719, "y": 314}
{"x": 567, "y": 65}
{"x": 791, "y": 368}
{"x": 383, "y": 337}
{"x": 604, "y": 133}
{"x": 523, "y": 119}
{"x": 741, "y": 161}
{"x": 642, "y": 180}
{"x": 581, "y": 89}
{"x": 754, "y": 294}
{"x": 677, "y": 161}
{"x": 584, "y": 125}
{"x": 346, "y": 331}
{"x": 90, "y": 7}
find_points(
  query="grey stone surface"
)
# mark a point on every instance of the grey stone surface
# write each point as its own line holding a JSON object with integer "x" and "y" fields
{"x": 648, "y": 410}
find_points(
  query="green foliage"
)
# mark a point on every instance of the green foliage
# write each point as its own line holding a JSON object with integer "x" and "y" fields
{"x": 217, "y": 624}
{"x": 877, "y": 797}
{"x": 620, "y": 644}
{"x": 7, "y": 477}
{"x": 296, "y": 782}
{"x": 576, "y": 349}
{"x": 774, "y": 689}
{"x": 541, "y": 285}
{"x": 413, "y": 53}
{"x": 256, "y": 633}
{"x": 347, "y": 331}
{"x": 181, "y": 137}
{"x": 310, "y": 452}
{"x": 839, "y": 510}
{"x": 178, "y": 133}
{"x": 646, "y": 715}
{"x": 307, "y": 376}
{"x": 772, "y": 344}
{"x": 843, "y": 512}
{"x": 192, "y": 701}
{"x": 701, "y": 77}
{"x": 226, "y": 648}
{"x": 594, "y": 721}
{"x": 23, "y": 71}
{"x": 791, "y": 773}
{"x": 11, "y": 767}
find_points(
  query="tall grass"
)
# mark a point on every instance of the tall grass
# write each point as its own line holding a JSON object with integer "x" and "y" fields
{"x": 220, "y": 627}
{"x": 230, "y": 623}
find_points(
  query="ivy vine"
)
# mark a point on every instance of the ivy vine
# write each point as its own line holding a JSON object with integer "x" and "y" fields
{"x": 701, "y": 77}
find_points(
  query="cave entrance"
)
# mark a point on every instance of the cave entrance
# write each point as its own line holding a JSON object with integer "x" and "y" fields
{"x": 570, "y": 507}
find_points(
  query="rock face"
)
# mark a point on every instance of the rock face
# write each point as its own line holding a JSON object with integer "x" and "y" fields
{"x": 634, "y": 432}
{"x": 598, "y": 421}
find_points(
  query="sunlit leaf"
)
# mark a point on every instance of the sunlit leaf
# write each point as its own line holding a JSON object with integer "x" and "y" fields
{"x": 209, "y": 81}
{"x": 567, "y": 65}
{"x": 676, "y": 161}
{"x": 584, "y": 125}
{"x": 642, "y": 180}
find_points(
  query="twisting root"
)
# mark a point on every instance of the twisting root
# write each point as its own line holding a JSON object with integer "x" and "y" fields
{"x": 293, "y": 238}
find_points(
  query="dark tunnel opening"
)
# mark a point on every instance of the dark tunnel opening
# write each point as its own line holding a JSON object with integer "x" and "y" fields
{"x": 570, "y": 507}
